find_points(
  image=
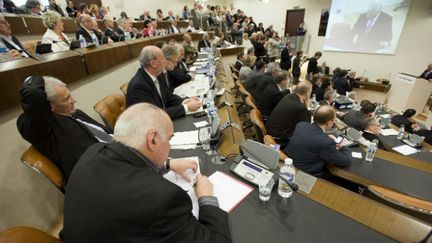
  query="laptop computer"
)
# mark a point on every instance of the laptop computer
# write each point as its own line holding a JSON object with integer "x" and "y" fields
{"x": 414, "y": 140}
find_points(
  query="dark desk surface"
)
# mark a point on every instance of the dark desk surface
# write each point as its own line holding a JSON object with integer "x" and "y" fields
{"x": 392, "y": 141}
{"x": 389, "y": 174}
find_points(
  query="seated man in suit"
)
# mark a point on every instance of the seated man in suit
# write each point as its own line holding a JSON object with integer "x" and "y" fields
{"x": 13, "y": 45}
{"x": 179, "y": 75}
{"x": 173, "y": 29}
{"x": 273, "y": 93}
{"x": 357, "y": 119}
{"x": 372, "y": 131}
{"x": 292, "y": 109}
{"x": 341, "y": 84}
{"x": 255, "y": 76}
{"x": 191, "y": 52}
{"x": 148, "y": 86}
{"x": 205, "y": 42}
{"x": 328, "y": 98}
{"x": 325, "y": 86}
{"x": 143, "y": 205}
{"x": 86, "y": 28}
{"x": 109, "y": 29}
{"x": 121, "y": 29}
{"x": 427, "y": 74}
{"x": 53, "y": 126}
{"x": 310, "y": 148}
{"x": 239, "y": 62}
{"x": 272, "y": 70}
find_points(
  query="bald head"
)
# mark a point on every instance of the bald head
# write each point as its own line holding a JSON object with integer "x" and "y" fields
{"x": 325, "y": 116}
{"x": 147, "y": 129}
{"x": 303, "y": 88}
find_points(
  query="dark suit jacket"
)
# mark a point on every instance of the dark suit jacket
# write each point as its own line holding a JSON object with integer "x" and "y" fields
{"x": 356, "y": 119}
{"x": 319, "y": 93}
{"x": 380, "y": 31}
{"x": 141, "y": 88}
{"x": 259, "y": 48}
{"x": 263, "y": 81}
{"x": 296, "y": 67}
{"x": 398, "y": 120}
{"x": 252, "y": 81}
{"x": 238, "y": 65}
{"x": 177, "y": 77}
{"x": 203, "y": 44}
{"x": 84, "y": 33}
{"x": 270, "y": 98}
{"x": 114, "y": 196}
{"x": 370, "y": 137}
{"x": 112, "y": 34}
{"x": 16, "y": 41}
{"x": 312, "y": 66}
{"x": 341, "y": 85}
{"x": 428, "y": 76}
{"x": 285, "y": 116}
{"x": 61, "y": 138}
{"x": 285, "y": 63}
{"x": 310, "y": 148}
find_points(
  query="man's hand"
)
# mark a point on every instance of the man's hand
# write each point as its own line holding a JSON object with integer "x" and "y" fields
{"x": 180, "y": 166}
{"x": 203, "y": 186}
{"x": 14, "y": 53}
{"x": 193, "y": 104}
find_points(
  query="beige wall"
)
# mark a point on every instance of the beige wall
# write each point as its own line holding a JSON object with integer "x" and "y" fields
{"x": 412, "y": 55}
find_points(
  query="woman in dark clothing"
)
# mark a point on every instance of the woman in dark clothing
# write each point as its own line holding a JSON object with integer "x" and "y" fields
{"x": 296, "y": 67}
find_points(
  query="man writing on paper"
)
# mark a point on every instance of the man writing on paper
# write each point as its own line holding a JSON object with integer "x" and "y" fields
{"x": 117, "y": 193}
{"x": 148, "y": 85}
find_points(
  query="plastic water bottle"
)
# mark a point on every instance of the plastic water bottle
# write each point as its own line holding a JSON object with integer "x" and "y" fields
{"x": 401, "y": 132}
{"x": 95, "y": 39}
{"x": 127, "y": 36}
{"x": 371, "y": 150}
{"x": 3, "y": 47}
{"x": 287, "y": 171}
{"x": 83, "y": 43}
{"x": 314, "y": 101}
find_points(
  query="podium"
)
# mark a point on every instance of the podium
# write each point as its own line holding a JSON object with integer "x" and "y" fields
{"x": 409, "y": 91}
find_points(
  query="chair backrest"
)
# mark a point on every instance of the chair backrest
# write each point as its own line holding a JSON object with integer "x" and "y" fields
{"x": 44, "y": 166}
{"x": 110, "y": 108}
{"x": 24, "y": 234}
{"x": 256, "y": 119}
{"x": 250, "y": 101}
{"x": 403, "y": 200}
{"x": 124, "y": 88}
{"x": 243, "y": 92}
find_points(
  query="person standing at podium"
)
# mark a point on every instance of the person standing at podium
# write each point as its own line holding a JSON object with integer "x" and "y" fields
{"x": 427, "y": 74}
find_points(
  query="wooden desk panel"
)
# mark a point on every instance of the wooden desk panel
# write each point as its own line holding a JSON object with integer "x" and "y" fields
{"x": 17, "y": 25}
{"x": 372, "y": 86}
{"x": 139, "y": 25}
{"x": 69, "y": 25}
{"x": 34, "y": 25}
{"x": 136, "y": 46}
{"x": 105, "y": 56}
{"x": 372, "y": 214}
{"x": 231, "y": 51}
{"x": 66, "y": 66}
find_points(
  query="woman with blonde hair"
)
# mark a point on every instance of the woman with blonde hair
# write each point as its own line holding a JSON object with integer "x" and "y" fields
{"x": 54, "y": 34}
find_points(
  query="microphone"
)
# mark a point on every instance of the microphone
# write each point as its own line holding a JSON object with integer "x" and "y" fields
{"x": 293, "y": 186}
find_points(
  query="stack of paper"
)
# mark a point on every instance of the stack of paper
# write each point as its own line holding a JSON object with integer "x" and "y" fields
{"x": 405, "y": 150}
{"x": 193, "y": 88}
{"x": 388, "y": 132}
{"x": 185, "y": 138}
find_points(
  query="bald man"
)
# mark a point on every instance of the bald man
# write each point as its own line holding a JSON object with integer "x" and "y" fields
{"x": 310, "y": 148}
{"x": 117, "y": 192}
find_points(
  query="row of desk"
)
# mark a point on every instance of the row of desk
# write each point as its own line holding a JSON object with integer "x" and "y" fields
{"x": 70, "y": 66}
{"x": 328, "y": 213}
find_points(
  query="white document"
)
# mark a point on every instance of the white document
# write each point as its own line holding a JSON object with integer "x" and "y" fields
{"x": 184, "y": 146}
{"x": 385, "y": 115}
{"x": 183, "y": 138}
{"x": 220, "y": 92}
{"x": 405, "y": 150}
{"x": 201, "y": 124}
{"x": 193, "y": 88}
{"x": 357, "y": 155}
{"x": 388, "y": 132}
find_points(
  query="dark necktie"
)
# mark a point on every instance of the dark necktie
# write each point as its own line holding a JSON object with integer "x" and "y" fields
{"x": 166, "y": 79}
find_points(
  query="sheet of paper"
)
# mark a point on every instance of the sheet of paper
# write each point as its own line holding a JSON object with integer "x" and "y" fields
{"x": 405, "y": 150}
{"x": 357, "y": 155}
{"x": 305, "y": 181}
{"x": 201, "y": 124}
{"x": 388, "y": 132}
{"x": 193, "y": 88}
{"x": 220, "y": 92}
{"x": 184, "y": 146}
{"x": 229, "y": 191}
{"x": 385, "y": 115}
{"x": 182, "y": 138}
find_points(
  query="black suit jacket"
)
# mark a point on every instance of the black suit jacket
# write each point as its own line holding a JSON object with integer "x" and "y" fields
{"x": 112, "y": 34}
{"x": 264, "y": 80}
{"x": 141, "y": 88}
{"x": 398, "y": 120}
{"x": 61, "y": 138}
{"x": 341, "y": 85}
{"x": 270, "y": 98}
{"x": 428, "y": 76}
{"x": 319, "y": 93}
{"x": 312, "y": 66}
{"x": 370, "y": 137}
{"x": 371, "y": 39}
{"x": 238, "y": 65}
{"x": 252, "y": 81}
{"x": 178, "y": 77}
{"x": 203, "y": 44}
{"x": 84, "y": 33}
{"x": 356, "y": 119}
{"x": 285, "y": 116}
{"x": 296, "y": 67}
{"x": 285, "y": 63}
{"x": 310, "y": 148}
{"x": 114, "y": 196}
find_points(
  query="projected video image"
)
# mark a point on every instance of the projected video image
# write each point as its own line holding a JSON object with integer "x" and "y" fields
{"x": 371, "y": 26}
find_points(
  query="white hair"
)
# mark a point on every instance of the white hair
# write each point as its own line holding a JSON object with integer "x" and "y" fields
{"x": 273, "y": 67}
{"x": 50, "y": 18}
{"x": 148, "y": 54}
{"x": 50, "y": 83}
{"x": 134, "y": 124}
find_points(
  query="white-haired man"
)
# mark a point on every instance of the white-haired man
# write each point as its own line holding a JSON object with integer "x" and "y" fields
{"x": 179, "y": 75}
{"x": 53, "y": 126}
{"x": 86, "y": 28}
{"x": 117, "y": 192}
{"x": 148, "y": 86}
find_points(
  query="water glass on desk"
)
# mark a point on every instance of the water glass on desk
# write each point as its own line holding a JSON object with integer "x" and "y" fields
{"x": 204, "y": 135}
{"x": 265, "y": 188}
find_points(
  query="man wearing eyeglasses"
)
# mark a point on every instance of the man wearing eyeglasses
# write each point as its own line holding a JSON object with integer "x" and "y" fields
{"x": 53, "y": 125}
